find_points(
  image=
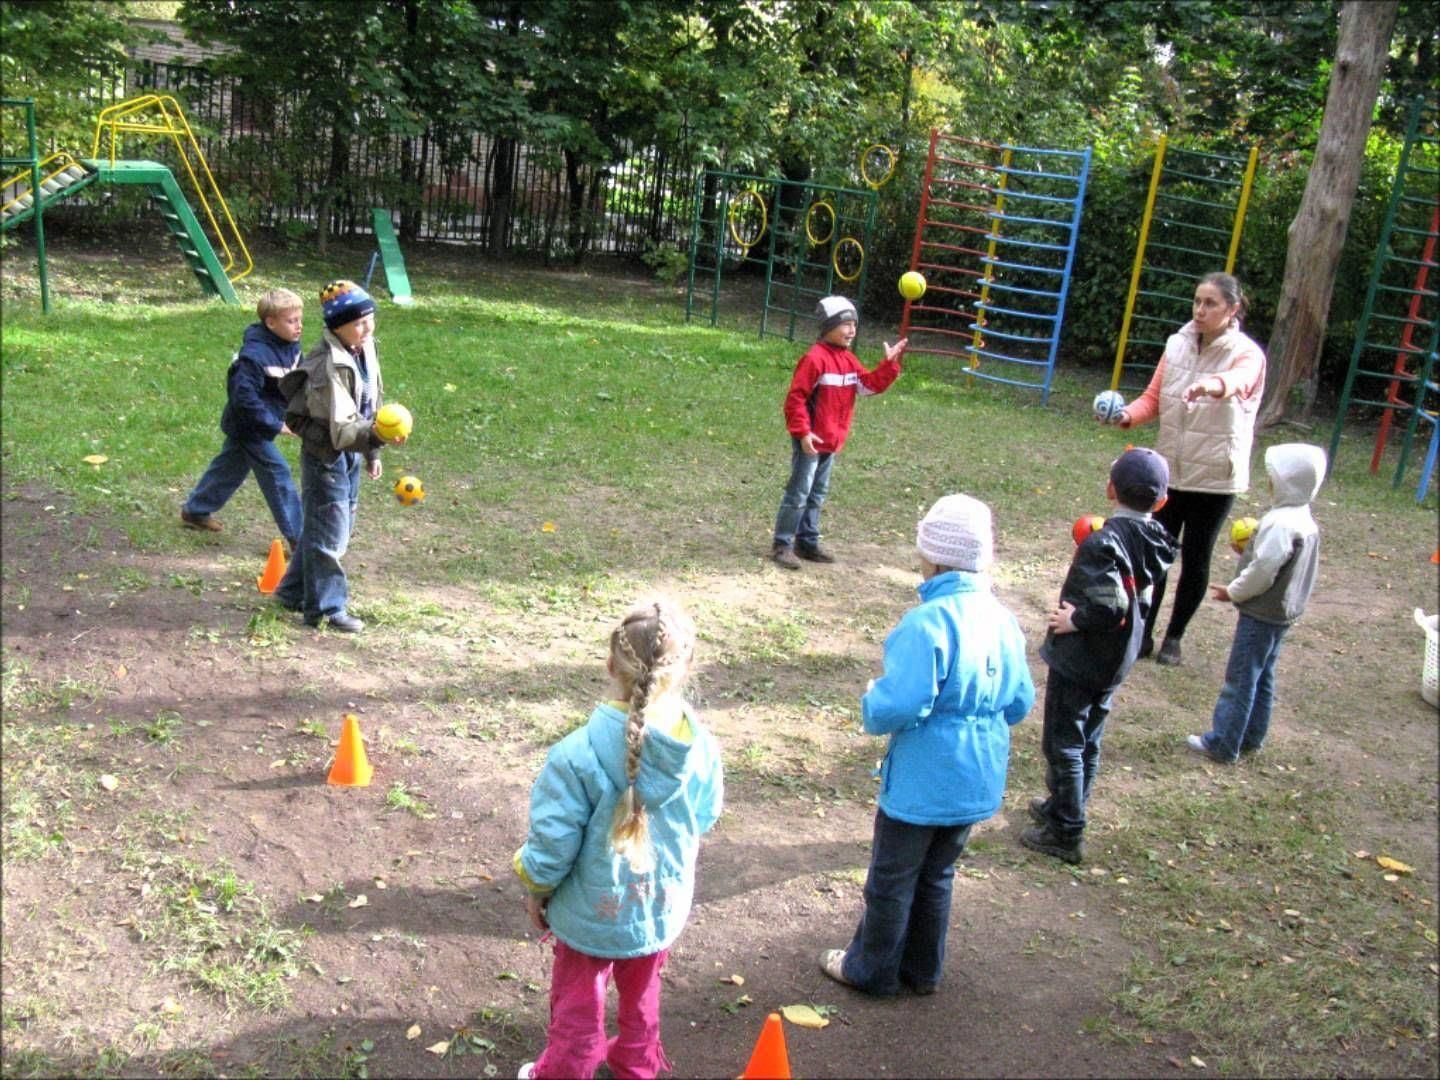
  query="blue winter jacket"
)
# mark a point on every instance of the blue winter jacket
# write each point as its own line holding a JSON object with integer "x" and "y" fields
{"x": 599, "y": 906}
{"x": 955, "y": 680}
{"x": 254, "y": 407}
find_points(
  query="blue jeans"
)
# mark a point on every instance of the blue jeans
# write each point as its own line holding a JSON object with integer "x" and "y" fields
{"x": 901, "y": 936}
{"x": 1242, "y": 713}
{"x": 315, "y": 581}
{"x": 1070, "y": 740}
{"x": 798, "y": 521}
{"x": 237, "y": 459}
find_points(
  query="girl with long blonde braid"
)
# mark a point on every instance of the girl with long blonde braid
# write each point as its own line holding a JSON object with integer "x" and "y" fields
{"x": 616, "y": 816}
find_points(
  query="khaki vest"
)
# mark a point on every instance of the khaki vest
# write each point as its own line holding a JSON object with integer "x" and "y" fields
{"x": 1206, "y": 442}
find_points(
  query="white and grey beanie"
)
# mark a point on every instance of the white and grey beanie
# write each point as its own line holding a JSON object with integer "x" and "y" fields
{"x": 957, "y": 533}
{"x": 834, "y": 310}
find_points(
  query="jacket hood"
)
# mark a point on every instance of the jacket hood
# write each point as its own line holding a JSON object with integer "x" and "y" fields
{"x": 664, "y": 761}
{"x": 1296, "y": 471}
{"x": 259, "y": 334}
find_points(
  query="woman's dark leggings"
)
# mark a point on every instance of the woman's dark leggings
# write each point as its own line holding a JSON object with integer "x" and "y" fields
{"x": 1194, "y": 518}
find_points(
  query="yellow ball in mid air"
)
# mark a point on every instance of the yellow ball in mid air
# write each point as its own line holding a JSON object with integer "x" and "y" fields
{"x": 1241, "y": 532}
{"x": 912, "y": 285}
{"x": 409, "y": 490}
{"x": 393, "y": 422}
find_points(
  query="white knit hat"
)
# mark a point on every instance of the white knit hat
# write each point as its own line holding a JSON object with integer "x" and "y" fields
{"x": 834, "y": 310}
{"x": 957, "y": 533}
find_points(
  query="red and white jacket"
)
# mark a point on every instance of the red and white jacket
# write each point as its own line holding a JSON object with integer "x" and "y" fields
{"x": 822, "y": 393}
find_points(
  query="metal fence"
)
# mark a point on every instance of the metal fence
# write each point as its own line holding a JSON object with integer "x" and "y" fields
{"x": 472, "y": 187}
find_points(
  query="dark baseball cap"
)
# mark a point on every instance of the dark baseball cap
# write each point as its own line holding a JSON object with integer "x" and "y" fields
{"x": 1140, "y": 477}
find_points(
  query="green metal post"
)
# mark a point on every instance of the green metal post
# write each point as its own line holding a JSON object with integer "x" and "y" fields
{"x": 694, "y": 244}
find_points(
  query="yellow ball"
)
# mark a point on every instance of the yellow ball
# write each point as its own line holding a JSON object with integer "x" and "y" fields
{"x": 393, "y": 422}
{"x": 1242, "y": 530}
{"x": 409, "y": 490}
{"x": 912, "y": 285}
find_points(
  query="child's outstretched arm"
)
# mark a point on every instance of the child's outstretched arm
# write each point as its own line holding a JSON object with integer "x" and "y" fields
{"x": 886, "y": 372}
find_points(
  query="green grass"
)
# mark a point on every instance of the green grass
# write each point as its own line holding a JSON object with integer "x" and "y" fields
{"x": 579, "y": 441}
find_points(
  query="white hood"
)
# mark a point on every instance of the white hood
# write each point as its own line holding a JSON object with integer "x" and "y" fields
{"x": 1296, "y": 471}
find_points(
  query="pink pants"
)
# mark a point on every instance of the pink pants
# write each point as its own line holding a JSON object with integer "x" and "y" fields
{"x": 576, "y": 1041}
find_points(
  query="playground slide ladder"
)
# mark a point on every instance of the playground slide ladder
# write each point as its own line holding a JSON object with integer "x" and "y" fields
{"x": 1194, "y": 216}
{"x": 995, "y": 238}
{"x": 1393, "y": 366}
{"x": 160, "y": 114}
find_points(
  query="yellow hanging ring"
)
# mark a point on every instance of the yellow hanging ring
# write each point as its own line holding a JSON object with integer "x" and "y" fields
{"x": 890, "y": 158}
{"x": 846, "y": 243}
{"x": 829, "y": 208}
{"x": 747, "y": 196}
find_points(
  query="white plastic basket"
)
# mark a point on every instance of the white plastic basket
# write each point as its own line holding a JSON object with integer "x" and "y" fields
{"x": 1430, "y": 675}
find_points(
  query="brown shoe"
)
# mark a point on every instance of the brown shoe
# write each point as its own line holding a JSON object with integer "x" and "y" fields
{"x": 785, "y": 555}
{"x": 205, "y": 523}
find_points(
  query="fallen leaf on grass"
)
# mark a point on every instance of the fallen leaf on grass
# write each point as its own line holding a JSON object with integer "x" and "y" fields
{"x": 360, "y": 901}
{"x": 170, "y": 1007}
{"x": 734, "y": 980}
{"x": 313, "y": 898}
{"x": 413, "y": 1031}
{"x": 548, "y": 527}
{"x": 278, "y": 763}
{"x": 108, "y": 782}
{"x": 95, "y": 459}
{"x": 438, "y": 1048}
{"x": 803, "y": 1016}
{"x": 1176, "y": 1062}
{"x": 1361, "y": 854}
{"x": 1197, "y": 1062}
{"x": 1394, "y": 864}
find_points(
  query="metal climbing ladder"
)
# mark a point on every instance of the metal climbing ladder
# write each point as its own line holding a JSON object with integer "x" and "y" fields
{"x": 1194, "y": 215}
{"x": 1393, "y": 366}
{"x": 62, "y": 175}
{"x": 995, "y": 238}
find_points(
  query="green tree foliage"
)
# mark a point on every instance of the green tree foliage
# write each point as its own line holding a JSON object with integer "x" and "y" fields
{"x": 67, "y": 58}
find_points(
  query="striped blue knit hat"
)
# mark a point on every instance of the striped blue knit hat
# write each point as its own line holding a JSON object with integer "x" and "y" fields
{"x": 343, "y": 302}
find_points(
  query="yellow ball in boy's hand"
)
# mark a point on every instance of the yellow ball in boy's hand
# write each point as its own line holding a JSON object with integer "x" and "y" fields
{"x": 393, "y": 422}
{"x": 912, "y": 285}
{"x": 409, "y": 490}
{"x": 1241, "y": 532}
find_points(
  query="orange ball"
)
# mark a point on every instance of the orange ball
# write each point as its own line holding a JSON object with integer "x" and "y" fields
{"x": 1084, "y": 525}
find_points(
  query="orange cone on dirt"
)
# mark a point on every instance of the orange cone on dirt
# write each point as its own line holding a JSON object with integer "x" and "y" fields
{"x": 1436, "y": 557}
{"x": 274, "y": 568}
{"x": 769, "y": 1061}
{"x": 352, "y": 768}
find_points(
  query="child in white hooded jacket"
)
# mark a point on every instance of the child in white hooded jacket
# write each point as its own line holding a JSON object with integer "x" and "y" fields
{"x": 1276, "y": 576}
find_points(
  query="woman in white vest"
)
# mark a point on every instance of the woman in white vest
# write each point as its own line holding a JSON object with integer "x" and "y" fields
{"x": 1206, "y": 393}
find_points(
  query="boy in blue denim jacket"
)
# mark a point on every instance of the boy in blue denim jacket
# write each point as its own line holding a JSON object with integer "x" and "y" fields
{"x": 955, "y": 681}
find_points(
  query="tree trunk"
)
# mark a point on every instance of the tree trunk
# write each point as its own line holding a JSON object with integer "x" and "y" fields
{"x": 1318, "y": 232}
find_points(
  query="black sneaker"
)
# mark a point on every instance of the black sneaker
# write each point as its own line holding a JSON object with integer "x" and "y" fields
{"x": 813, "y": 553}
{"x": 1037, "y": 811}
{"x": 1169, "y": 653}
{"x": 1047, "y": 843}
{"x": 785, "y": 556}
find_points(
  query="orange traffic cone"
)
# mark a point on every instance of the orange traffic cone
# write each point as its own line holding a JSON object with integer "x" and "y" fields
{"x": 769, "y": 1060}
{"x": 1436, "y": 557}
{"x": 351, "y": 768}
{"x": 274, "y": 568}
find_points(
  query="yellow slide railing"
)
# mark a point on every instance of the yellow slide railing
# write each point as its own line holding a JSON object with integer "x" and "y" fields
{"x": 160, "y": 114}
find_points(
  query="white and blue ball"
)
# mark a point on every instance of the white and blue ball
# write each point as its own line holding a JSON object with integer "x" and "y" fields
{"x": 1108, "y": 405}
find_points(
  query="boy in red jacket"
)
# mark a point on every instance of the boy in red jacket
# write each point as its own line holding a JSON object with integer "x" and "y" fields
{"x": 818, "y": 409}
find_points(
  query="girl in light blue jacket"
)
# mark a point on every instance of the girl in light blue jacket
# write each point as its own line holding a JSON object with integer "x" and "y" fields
{"x": 616, "y": 817}
{"x": 955, "y": 680}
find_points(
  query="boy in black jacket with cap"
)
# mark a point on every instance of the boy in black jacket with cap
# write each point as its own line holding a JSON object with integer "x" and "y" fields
{"x": 1094, "y": 640}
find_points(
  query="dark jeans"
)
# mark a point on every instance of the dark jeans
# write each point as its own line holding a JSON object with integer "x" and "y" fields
{"x": 798, "y": 521}
{"x": 315, "y": 581}
{"x": 901, "y": 936}
{"x": 1193, "y": 518}
{"x": 237, "y": 459}
{"x": 1070, "y": 740}
{"x": 1242, "y": 714}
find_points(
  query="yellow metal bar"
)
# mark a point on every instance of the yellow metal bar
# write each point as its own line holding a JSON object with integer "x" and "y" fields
{"x": 66, "y": 161}
{"x": 1139, "y": 261}
{"x": 1240, "y": 206}
{"x": 117, "y": 119}
{"x": 976, "y": 338}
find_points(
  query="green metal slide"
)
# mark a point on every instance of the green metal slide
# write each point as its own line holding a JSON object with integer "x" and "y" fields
{"x": 19, "y": 206}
